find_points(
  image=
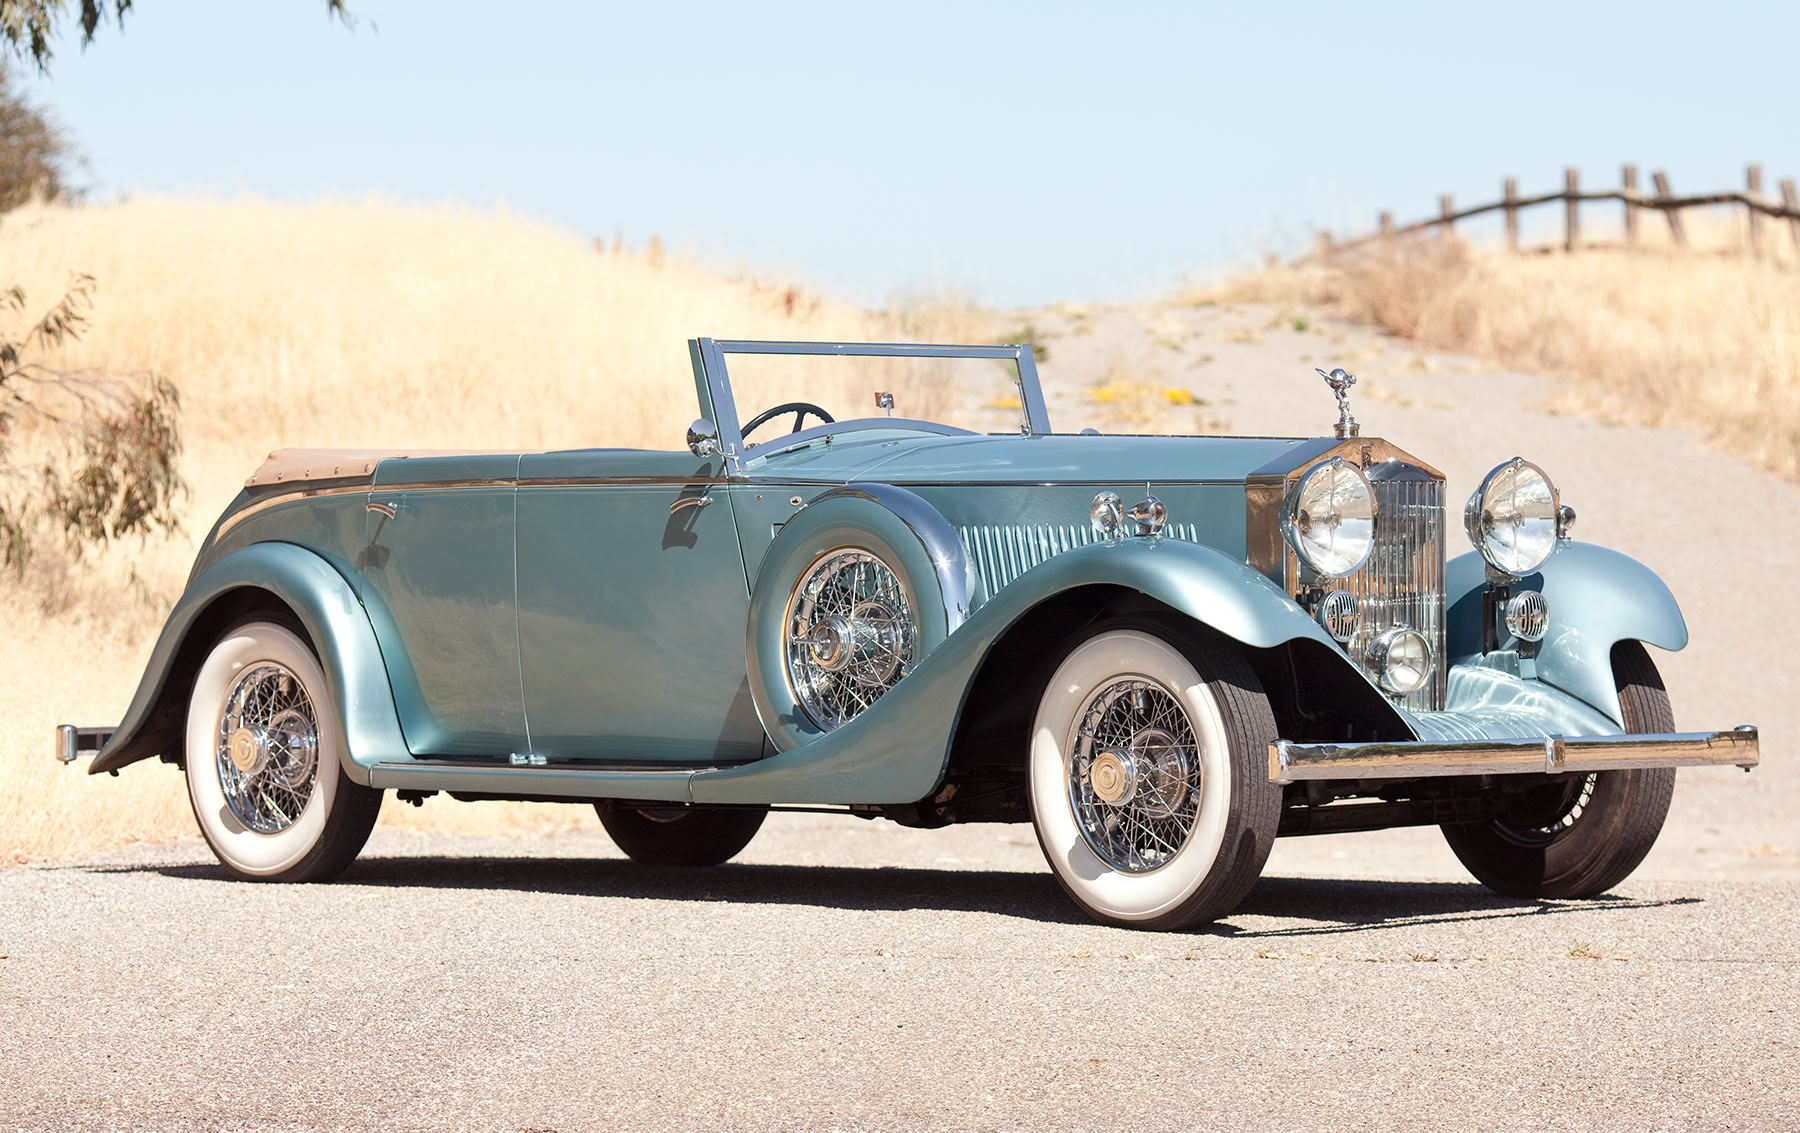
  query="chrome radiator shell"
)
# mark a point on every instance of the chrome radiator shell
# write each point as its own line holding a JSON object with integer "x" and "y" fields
{"x": 1402, "y": 583}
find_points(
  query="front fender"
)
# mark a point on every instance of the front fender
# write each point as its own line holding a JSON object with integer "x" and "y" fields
{"x": 326, "y": 604}
{"x": 896, "y": 750}
{"x": 1597, "y": 597}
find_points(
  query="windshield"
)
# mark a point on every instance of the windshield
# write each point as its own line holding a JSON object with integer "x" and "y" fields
{"x": 980, "y": 389}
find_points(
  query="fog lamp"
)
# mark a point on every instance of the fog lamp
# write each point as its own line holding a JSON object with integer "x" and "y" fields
{"x": 1401, "y": 659}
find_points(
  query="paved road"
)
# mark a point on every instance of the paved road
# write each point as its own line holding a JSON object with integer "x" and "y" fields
{"x": 854, "y": 975}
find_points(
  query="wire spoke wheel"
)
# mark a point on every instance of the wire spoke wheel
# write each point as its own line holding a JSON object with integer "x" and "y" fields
{"x": 264, "y": 760}
{"x": 1135, "y": 779}
{"x": 1147, "y": 774}
{"x": 851, "y": 634}
{"x": 267, "y": 748}
{"x": 1569, "y": 801}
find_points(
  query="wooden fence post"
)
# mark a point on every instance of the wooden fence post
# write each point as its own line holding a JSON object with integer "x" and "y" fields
{"x": 1753, "y": 190}
{"x": 1631, "y": 212}
{"x": 1446, "y": 208}
{"x": 1663, "y": 193}
{"x": 1572, "y": 226}
{"x": 1512, "y": 214}
{"x": 1790, "y": 200}
{"x": 1387, "y": 223}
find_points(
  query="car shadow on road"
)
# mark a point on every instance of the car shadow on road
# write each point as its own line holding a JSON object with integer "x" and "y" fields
{"x": 1308, "y": 906}
{"x": 1328, "y": 906}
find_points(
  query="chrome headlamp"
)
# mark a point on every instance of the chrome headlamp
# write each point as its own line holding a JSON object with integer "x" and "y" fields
{"x": 1513, "y": 517}
{"x": 1330, "y": 518}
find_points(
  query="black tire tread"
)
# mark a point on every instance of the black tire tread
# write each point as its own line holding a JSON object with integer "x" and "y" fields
{"x": 700, "y": 837}
{"x": 1621, "y": 824}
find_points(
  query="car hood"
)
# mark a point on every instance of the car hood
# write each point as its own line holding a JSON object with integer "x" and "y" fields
{"x": 1032, "y": 459}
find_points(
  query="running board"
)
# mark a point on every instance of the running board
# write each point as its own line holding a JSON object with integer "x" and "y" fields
{"x": 1291, "y": 762}
{"x": 655, "y": 784}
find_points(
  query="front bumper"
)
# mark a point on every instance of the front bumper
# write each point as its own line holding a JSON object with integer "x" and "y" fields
{"x": 1291, "y": 762}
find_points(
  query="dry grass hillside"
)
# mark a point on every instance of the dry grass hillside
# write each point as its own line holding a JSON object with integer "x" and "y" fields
{"x": 1707, "y": 338}
{"x": 333, "y": 324}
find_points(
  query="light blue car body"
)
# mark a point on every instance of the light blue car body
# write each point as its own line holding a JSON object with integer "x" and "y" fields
{"x": 606, "y": 623}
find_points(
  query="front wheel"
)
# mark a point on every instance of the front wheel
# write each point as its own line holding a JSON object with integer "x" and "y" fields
{"x": 1149, "y": 779}
{"x": 676, "y": 836}
{"x": 1579, "y": 835}
{"x": 263, "y": 769}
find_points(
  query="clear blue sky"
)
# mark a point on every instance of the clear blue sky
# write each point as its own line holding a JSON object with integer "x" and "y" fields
{"x": 1018, "y": 152}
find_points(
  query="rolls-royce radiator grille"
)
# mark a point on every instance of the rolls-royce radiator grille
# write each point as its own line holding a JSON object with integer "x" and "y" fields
{"x": 1002, "y": 553}
{"x": 1403, "y": 581}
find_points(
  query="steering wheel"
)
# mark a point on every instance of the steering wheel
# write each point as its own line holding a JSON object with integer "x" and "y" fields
{"x": 798, "y": 408}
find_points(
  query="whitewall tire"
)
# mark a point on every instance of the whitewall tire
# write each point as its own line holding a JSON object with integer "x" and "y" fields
{"x": 264, "y": 769}
{"x": 1148, "y": 776}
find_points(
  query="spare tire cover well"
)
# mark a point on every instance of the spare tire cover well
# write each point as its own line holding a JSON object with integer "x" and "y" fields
{"x": 896, "y": 525}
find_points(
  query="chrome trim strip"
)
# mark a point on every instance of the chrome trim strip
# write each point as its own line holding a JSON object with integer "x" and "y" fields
{"x": 1291, "y": 762}
{"x": 277, "y": 500}
{"x": 1131, "y": 485}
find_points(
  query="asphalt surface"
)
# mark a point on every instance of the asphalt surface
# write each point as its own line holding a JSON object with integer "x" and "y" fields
{"x": 918, "y": 980}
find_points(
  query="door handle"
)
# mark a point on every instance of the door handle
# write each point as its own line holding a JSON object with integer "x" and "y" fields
{"x": 380, "y": 508}
{"x": 695, "y": 502}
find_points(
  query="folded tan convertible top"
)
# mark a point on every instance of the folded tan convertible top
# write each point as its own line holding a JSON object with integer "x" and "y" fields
{"x": 315, "y": 464}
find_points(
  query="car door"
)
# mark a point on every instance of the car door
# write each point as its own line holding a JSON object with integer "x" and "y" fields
{"x": 436, "y": 575}
{"x": 632, "y": 607}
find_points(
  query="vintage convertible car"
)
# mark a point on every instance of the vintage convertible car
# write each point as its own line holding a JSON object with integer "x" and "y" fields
{"x": 1163, "y": 652}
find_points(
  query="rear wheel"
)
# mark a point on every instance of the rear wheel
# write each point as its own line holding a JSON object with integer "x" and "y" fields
{"x": 1149, "y": 779}
{"x": 680, "y": 835}
{"x": 264, "y": 771}
{"x": 1580, "y": 835}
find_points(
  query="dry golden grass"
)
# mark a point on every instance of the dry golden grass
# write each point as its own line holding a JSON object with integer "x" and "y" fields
{"x": 1707, "y": 338}
{"x": 337, "y": 324}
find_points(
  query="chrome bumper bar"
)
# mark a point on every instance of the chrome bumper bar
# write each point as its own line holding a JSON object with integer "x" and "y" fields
{"x": 1291, "y": 762}
{"x": 72, "y": 743}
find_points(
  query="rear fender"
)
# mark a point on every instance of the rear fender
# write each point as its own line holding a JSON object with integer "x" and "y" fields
{"x": 1597, "y": 597}
{"x": 895, "y": 751}
{"x": 325, "y": 603}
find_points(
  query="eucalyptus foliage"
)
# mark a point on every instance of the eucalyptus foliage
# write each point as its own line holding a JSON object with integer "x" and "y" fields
{"x": 108, "y": 469}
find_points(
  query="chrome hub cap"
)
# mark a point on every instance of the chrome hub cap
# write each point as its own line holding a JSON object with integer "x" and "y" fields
{"x": 1134, "y": 775}
{"x": 830, "y": 643}
{"x": 267, "y": 748}
{"x": 850, "y": 635}
{"x": 249, "y": 749}
{"x": 1114, "y": 777}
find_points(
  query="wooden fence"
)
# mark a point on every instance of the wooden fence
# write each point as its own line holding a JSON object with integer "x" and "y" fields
{"x": 1664, "y": 201}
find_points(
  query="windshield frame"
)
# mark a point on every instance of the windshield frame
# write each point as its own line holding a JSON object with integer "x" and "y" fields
{"x": 712, "y": 383}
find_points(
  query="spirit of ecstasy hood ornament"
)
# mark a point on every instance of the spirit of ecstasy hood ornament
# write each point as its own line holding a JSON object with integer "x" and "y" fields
{"x": 1340, "y": 383}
